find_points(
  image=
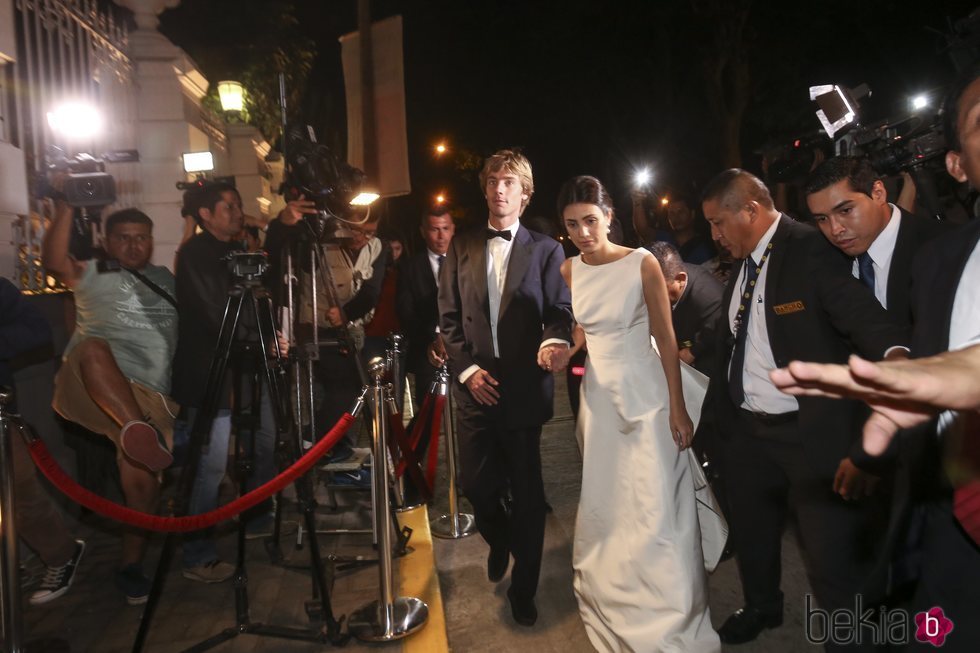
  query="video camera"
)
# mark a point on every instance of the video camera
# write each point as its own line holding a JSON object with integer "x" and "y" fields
{"x": 87, "y": 184}
{"x": 314, "y": 171}
{"x": 88, "y": 188}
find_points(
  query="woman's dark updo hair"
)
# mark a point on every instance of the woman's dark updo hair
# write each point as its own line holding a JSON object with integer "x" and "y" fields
{"x": 584, "y": 190}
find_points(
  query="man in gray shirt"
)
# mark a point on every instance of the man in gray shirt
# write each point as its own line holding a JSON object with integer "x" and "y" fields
{"x": 116, "y": 372}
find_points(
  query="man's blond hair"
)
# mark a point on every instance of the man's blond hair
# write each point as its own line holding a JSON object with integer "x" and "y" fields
{"x": 515, "y": 163}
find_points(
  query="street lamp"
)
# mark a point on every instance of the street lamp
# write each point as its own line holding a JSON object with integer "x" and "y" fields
{"x": 232, "y": 96}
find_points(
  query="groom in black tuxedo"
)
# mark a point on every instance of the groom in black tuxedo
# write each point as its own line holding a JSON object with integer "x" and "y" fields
{"x": 505, "y": 311}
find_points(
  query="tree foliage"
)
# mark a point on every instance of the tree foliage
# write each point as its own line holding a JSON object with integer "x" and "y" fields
{"x": 252, "y": 47}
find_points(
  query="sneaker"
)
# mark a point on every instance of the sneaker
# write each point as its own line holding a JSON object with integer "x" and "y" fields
{"x": 57, "y": 580}
{"x": 144, "y": 443}
{"x": 360, "y": 478}
{"x": 216, "y": 571}
{"x": 134, "y": 584}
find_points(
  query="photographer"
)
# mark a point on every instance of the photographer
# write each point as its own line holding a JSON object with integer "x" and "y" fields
{"x": 357, "y": 267}
{"x": 203, "y": 285}
{"x": 116, "y": 372}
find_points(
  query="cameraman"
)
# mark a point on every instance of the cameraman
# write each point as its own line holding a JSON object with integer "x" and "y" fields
{"x": 358, "y": 270}
{"x": 116, "y": 371}
{"x": 203, "y": 284}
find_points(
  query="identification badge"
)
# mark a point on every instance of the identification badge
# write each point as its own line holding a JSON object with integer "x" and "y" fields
{"x": 791, "y": 307}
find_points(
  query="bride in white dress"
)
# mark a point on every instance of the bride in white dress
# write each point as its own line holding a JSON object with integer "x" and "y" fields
{"x": 639, "y": 573}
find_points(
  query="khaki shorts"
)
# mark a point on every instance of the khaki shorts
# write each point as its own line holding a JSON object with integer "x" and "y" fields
{"x": 73, "y": 402}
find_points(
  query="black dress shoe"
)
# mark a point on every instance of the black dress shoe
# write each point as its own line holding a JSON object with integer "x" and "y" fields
{"x": 746, "y": 624}
{"x": 497, "y": 563}
{"x": 524, "y": 611}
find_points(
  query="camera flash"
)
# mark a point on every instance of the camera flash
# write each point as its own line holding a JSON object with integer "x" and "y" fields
{"x": 642, "y": 177}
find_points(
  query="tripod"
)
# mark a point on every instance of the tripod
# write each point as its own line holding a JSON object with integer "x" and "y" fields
{"x": 248, "y": 292}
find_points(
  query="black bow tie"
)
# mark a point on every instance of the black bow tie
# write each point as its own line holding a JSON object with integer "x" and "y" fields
{"x": 493, "y": 233}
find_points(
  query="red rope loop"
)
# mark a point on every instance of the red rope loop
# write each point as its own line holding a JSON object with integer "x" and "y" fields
{"x": 102, "y": 506}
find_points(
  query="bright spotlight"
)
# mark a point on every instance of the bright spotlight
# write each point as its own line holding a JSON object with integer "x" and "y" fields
{"x": 75, "y": 120}
{"x": 440, "y": 199}
{"x": 197, "y": 162}
{"x": 919, "y": 102}
{"x": 364, "y": 199}
{"x": 441, "y": 148}
{"x": 642, "y": 177}
{"x": 664, "y": 201}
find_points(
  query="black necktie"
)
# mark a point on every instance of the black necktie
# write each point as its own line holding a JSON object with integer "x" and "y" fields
{"x": 493, "y": 233}
{"x": 735, "y": 385}
{"x": 442, "y": 257}
{"x": 866, "y": 271}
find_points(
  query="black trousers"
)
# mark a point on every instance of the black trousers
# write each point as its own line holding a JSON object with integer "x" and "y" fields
{"x": 767, "y": 473}
{"x": 493, "y": 460}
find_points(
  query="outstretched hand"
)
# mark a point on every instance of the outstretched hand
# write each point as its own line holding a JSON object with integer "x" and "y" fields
{"x": 902, "y": 393}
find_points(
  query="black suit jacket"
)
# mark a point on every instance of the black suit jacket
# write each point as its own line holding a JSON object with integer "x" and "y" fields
{"x": 695, "y": 315}
{"x": 535, "y": 305}
{"x": 815, "y": 311}
{"x": 417, "y": 303}
{"x": 913, "y": 233}
{"x": 937, "y": 272}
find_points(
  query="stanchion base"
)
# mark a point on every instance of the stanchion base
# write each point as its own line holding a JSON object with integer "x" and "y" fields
{"x": 409, "y": 614}
{"x": 443, "y": 527}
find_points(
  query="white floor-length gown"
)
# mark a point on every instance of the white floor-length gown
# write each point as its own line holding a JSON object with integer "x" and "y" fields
{"x": 639, "y": 573}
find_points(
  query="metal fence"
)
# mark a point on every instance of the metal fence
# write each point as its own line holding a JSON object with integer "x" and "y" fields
{"x": 67, "y": 50}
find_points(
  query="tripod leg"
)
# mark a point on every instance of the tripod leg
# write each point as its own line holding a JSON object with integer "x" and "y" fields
{"x": 304, "y": 490}
{"x": 199, "y": 433}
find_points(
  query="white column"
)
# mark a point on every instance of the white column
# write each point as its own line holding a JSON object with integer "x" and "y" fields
{"x": 166, "y": 124}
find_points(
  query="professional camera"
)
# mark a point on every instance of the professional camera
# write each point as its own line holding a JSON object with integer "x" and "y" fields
{"x": 314, "y": 171}
{"x": 897, "y": 146}
{"x": 87, "y": 184}
{"x": 789, "y": 162}
{"x": 247, "y": 265}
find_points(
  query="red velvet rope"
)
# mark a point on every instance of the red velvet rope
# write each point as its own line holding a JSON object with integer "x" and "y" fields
{"x": 399, "y": 429}
{"x": 430, "y": 472}
{"x": 66, "y": 484}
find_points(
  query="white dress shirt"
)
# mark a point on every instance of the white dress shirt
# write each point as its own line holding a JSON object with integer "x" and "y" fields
{"x": 881, "y": 251}
{"x": 498, "y": 256}
{"x": 964, "y": 323}
{"x": 434, "y": 263}
{"x": 761, "y": 396}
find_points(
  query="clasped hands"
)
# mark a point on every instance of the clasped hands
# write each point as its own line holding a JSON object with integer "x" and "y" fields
{"x": 483, "y": 387}
{"x": 554, "y": 357}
